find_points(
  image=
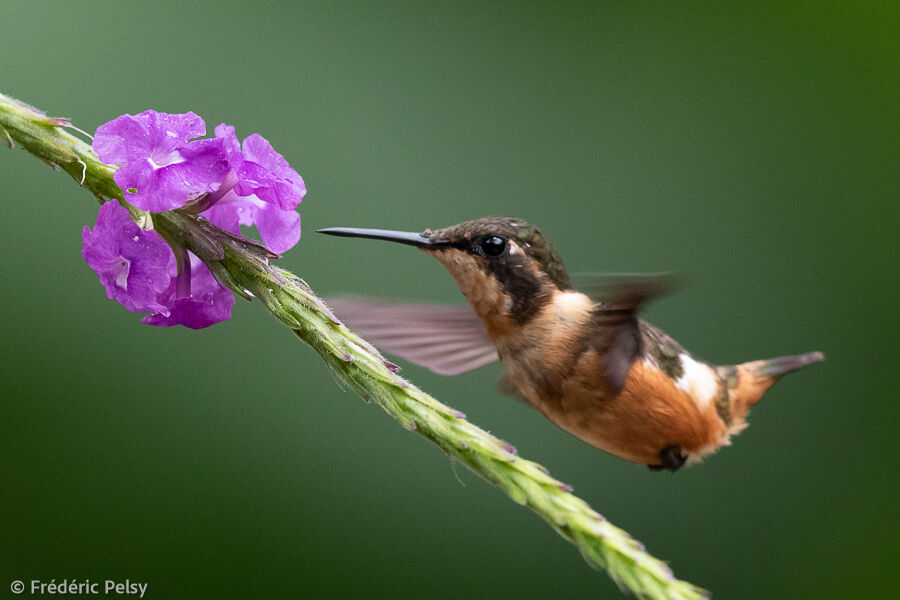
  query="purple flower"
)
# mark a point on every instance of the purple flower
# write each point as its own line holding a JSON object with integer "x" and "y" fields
{"x": 205, "y": 304}
{"x": 161, "y": 169}
{"x": 138, "y": 269}
{"x": 266, "y": 175}
{"x": 262, "y": 190}
{"x": 132, "y": 263}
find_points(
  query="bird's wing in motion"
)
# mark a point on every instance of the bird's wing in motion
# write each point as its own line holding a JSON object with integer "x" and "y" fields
{"x": 448, "y": 340}
{"x": 615, "y": 327}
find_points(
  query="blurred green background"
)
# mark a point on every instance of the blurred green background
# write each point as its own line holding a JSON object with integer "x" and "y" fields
{"x": 754, "y": 150}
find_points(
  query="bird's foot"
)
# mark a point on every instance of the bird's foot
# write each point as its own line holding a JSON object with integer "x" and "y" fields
{"x": 671, "y": 457}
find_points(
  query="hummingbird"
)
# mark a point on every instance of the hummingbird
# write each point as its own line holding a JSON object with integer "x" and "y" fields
{"x": 586, "y": 361}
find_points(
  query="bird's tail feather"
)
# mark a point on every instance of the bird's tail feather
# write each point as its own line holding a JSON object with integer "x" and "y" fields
{"x": 776, "y": 367}
{"x": 754, "y": 378}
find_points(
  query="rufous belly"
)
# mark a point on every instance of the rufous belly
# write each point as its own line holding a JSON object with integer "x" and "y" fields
{"x": 650, "y": 413}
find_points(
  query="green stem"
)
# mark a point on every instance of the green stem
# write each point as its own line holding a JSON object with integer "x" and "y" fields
{"x": 243, "y": 266}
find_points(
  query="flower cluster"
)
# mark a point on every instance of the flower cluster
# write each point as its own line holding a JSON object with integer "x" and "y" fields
{"x": 161, "y": 166}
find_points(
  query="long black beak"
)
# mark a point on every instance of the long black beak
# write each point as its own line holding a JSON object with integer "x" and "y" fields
{"x": 419, "y": 240}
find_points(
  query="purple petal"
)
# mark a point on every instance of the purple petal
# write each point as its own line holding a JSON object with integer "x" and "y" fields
{"x": 171, "y": 131}
{"x": 132, "y": 137}
{"x": 225, "y": 215}
{"x": 232, "y": 145}
{"x": 122, "y": 140}
{"x": 206, "y": 162}
{"x": 132, "y": 264}
{"x": 266, "y": 174}
{"x": 279, "y": 229}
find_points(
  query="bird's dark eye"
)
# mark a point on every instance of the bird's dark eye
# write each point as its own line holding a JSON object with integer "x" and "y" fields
{"x": 492, "y": 245}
